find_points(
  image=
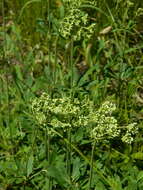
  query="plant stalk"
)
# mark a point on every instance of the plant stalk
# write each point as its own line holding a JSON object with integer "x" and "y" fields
{"x": 47, "y": 152}
{"x": 91, "y": 166}
{"x": 84, "y": 158}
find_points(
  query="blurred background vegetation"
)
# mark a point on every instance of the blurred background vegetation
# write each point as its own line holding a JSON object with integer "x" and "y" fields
{"x": 35, "y": 57}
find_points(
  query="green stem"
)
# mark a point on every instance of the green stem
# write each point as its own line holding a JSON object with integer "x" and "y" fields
{"x": 71, "y": 65}
{"x": 47, "y": 152}
{"x": 49, "y": 57}
{"x": 69, "y": 130}
{"x": 69, "y": 150}
{"x": 68, "y": 155}
{"x": 84, "y": 158}
{"x": 50, "y": 180}
{"x": 6, "y": 75}
{"x": 4, "y": 30}
{"x": 96, "y": 9}
{"x": 91, "y": 165}
{"x": 55, "y": 63}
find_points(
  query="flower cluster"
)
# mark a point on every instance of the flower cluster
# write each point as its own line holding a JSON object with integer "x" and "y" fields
{"x": 66, "y": 112}
{"x": 104, "y": 125}
{"x": 58, "y": 112}
{"x": 76, "y": 23}
{"x": 131, "y": 130}
{"x": 139, "y": 12}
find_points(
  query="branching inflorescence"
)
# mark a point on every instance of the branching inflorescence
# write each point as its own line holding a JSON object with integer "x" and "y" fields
{"x": 77, "y": 23}
{"x": 63, "y": 113}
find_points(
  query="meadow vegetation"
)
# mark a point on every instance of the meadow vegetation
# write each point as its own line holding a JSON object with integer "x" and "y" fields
{"x": 71, "y": 95}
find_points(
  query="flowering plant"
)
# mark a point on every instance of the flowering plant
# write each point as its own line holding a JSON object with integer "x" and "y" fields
{"x": 77, "y": 23}
{"x": 64, "y": 113}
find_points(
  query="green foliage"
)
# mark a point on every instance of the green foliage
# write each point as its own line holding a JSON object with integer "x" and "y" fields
{"x": 72, "y": 61}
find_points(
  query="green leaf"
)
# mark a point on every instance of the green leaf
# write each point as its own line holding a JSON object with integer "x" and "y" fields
{"x": 26, "y": 5}
{"x": 140, "y": 176}
{"x": 18, "y": 72}
{"x": 59, "y": 175}
{"x": 138, "y": 155}
{"x": 76, "y": 169}
{"x": 30, "y": 165}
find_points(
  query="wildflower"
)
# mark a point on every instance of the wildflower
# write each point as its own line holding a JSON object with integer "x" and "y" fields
{"x": 64, "y": 113}
{"x": 131, "y": 130}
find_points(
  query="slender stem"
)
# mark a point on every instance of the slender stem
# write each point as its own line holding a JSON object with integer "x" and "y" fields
{"x": 7, "y": 82}
{"x": 71, "y": 67}
{"x": 69, "y": 150}
{"x": 71, "y": 63}
{"x": 91, "y": 166}
{"x": 68, "y": 155}
{"x": 68, "y": 159}
{"x": 49, "y": 57}
{"x": 49, "y": 148}
{"x": 48, "y": 21}
{"x": 47, "y": 152}
{"x": 84, "y": 158}
{"x": 55, "y": 63}
{"x": 50, "y": 180}
{"x": 72, "y": 95}
{"x": 46, "y": 144}
{"x": 4, "y": 30}
{"x": 41, "y": 9}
